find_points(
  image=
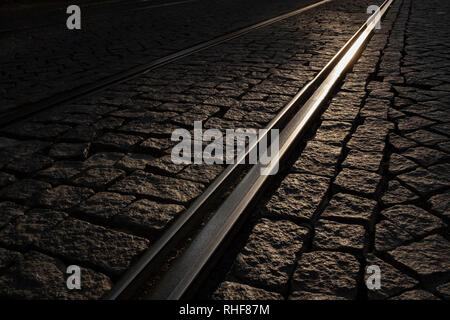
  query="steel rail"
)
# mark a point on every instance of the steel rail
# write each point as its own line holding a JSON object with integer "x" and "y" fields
{"x": 195, "y": 260}
{"x": 82, "y": 91}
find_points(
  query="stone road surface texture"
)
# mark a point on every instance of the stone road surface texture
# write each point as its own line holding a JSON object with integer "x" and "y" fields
{"x": 91, "y": 183}
{"x": 371, "y": 187}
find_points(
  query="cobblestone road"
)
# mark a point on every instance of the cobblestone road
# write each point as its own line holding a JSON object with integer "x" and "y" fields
{"x": 371, "y": 187}
{"x": 41, "y": 57}
{"x": 92, "y": 183}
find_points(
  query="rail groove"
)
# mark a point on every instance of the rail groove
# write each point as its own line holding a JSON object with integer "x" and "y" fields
{"x": 187, "y": 271}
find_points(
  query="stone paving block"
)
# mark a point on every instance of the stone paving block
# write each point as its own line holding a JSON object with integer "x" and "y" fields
{"x": 103, "y": 159}
{"x": 428, "y": 110}
{"x": 359, "y": 181}
{"x": 413, "y": 219}
{"x": 399, "y": 164}
{"x": 6, "y": 179}
{"x": 105, "y": 205}
{"x": 389, "y": 235}
{"x": 332, "y": 235}
{"x": 366, "y": 140}
{"x": 396, "y": 194}
{"x": 442, "y": 170}
{"x": 298, "y": 196}
{"x": 26, "y": 229}
{"x": 92, "y": 245}
{"x": 156, "y": 144}
{"x": 318, "y": 157}
{"x": 340, "y": 111}
{"x": 61, "y": 171}
{"x": 69, "y": 150}
{"x": 370, "y": 161}
{"x": 29, "y": 163}
{"x": 9, "y": 211}
{"x": 324, "y": 275}
{"x": 165, "y": 165}
{"x": 149, "y": 215}
{"x": 443, "y": 128}
{"x": 333, "y": 132}
{"x": 429, "y": 258}
{"x": 400, "y": 143}
{"x": 122, "y": 142}
{"x": 423, "y": 181}
{"x": 312, "y": 296}
{"x": 134, "y": 161}
{"x": 81, "y": 133}
{"x": 425, "y": 156}
{"x": 348, "y": 207}
{"x": 148, "y": 184}
{"x": 415, "y": 295}
{"x": 203, "y": 173}
{"x": 7, "y": 257}
{"x": 24, "y": 190}
{"x": 394, "y": 114}
{"x": 441, "y": 203}
{"x": 98, "y": 178}
{"x": 413, "y": 123}
{"x": 239, "y": 115}
{"x": 444, "y": 290}
{"x": 426, "y": 137}
{"x": 237, "y": 291}
{"x": 268, "y": 258}
{"x": 376, "y": 108}
{"x": 63, "y": 197}
{"x": 21, "y": 282}
{"x": 392, "y": 280}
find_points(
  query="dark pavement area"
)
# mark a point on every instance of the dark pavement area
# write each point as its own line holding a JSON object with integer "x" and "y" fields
{"x": 40, "y": 57}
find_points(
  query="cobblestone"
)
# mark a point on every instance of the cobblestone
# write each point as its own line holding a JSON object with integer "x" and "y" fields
{"x": 429, "y": 258}
{"x": 348, "y": 207}
{"x": 20, "y": 281}
{"x": 338, "y": 236}
{"x": 322, "y": 275}
{"x": 269, "y": 255}
{"x": 287, "y": 202}
{"x": 236, "y": 291}
{"x": 91, "y": 245}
